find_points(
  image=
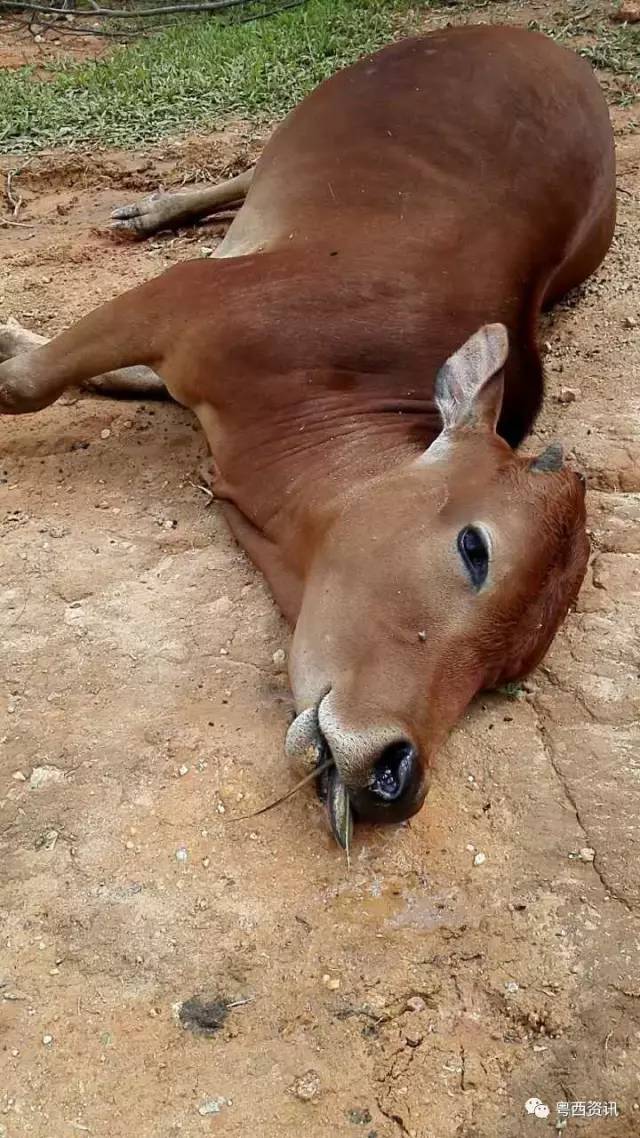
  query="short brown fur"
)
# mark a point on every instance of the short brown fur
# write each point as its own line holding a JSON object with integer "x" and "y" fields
{"x": 446, "y": 182}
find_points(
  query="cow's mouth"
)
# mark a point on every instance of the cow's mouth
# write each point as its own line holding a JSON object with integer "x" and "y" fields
{"x": 335, "y": 796}
{"x": 306, "y": 744}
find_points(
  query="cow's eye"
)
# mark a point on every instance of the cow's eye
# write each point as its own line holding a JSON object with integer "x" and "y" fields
{"x": 474, "y": 551}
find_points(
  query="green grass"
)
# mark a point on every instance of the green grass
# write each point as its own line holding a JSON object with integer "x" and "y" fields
{"x": 617, "y": 50}
{"x": 199, "y": 71}
{"x": 613, "y": 49}
{"x": 205, "y": 71}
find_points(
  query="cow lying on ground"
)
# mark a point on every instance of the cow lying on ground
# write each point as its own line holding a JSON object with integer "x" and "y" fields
{"x": 361, "y": 354}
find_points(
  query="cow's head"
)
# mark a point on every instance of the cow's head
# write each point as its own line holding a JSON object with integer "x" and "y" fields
{"x": 444, "y": 575}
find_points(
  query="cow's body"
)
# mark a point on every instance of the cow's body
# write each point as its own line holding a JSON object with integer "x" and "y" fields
{"x": 442, "y": 183}
{"x": 446, "y": 181}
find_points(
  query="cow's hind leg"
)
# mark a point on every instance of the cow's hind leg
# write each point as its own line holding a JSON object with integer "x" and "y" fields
{"x": 166, "y": 211}
{"x": 111, "y": 349}
{"x": 587, "y": 253}
{"x": 165, "y": 325}
{"x": 136, "y": 382}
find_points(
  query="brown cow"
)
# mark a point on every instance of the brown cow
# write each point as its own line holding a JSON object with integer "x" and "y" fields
{"x": 419, "y": 207}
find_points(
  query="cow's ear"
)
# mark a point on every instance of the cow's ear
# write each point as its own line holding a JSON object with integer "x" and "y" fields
{"x": 470, "y": 385}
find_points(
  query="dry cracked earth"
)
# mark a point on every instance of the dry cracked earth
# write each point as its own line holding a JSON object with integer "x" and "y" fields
{"x": 416, "y": 994}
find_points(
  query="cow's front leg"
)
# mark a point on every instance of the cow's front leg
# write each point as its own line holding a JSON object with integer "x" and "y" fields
{"x": 129, "y": 382}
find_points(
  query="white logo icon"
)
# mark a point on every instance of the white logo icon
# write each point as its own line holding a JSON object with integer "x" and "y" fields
{"x": 536, "y": 1107}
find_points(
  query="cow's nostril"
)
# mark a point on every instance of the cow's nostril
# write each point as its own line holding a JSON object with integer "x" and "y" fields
{"x": 394, "y": 772}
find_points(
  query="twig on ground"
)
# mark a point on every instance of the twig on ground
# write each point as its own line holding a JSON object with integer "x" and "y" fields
{"x": 41, "y": 18}
{"x": 83, "y": 30}
{"x": 130, "y": 13}
{"x": 204, "y": 489}
{"x": 271, "y": 12}
{"x": 15, "y": 203}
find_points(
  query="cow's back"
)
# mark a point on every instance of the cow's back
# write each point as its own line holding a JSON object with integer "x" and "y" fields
{"x": 433, "y": 137}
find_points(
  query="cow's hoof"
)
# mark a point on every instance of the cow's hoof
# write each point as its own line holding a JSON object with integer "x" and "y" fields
{"x": 153, "y": 213}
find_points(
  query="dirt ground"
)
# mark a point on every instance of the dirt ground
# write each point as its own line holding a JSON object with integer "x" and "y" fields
{"x": 25, "y": 42}
{"x": 417, "y": 994}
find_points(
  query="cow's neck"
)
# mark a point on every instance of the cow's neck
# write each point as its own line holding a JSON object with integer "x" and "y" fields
{"x": 326, "y": 377}
{"x": 285, "y": 477}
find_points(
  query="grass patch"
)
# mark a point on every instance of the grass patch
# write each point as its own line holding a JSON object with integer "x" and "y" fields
{"x": 202, "y": 71}
{"x": 613, "y": 49}
{"x": 197, "y": 71}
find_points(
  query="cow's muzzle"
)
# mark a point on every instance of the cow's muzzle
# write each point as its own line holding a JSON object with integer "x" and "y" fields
{"x": 391, "y": 792}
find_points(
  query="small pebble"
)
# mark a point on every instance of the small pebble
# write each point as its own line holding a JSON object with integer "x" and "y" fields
{"x": 630, "y": 322}
{"x": 213, "y": 1105}
{"x": 47, "y": 1040}
{"x": 480, "y": 859}
{"x": 359, "y": 1117}
{"x": 330, "y": 982}
{"x": 42, "y": 775}
{"x": 105, "y": 434}
{"x": 307, "y": 1087}
{"x": 19, "y": 776}
{"x": 416, "y": 1004}
{"x": 512, "y": 987}
{"x": 47, "y": 840}
{"x": 279, "y": 657}
{"x": 567, "y": 395}
{"x": 206, "y": 862}
{"x": 586, "y": 853}
{"x": 183, "y": 770}
{"x": 182, "y": 853}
